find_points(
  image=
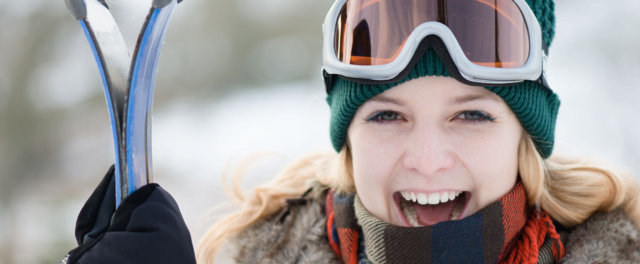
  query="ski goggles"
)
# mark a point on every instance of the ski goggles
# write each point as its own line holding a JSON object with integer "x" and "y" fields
{"x": 486, "y": 42}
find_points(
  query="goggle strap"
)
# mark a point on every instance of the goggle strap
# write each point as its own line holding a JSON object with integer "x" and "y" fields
{"x": 545, "y": 48}
{"x": 542, "y": 81}
{"x": 329, "y": 79}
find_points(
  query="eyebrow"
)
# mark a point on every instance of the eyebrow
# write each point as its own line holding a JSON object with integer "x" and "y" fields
{"x": 385, "y": 99}
{"x": 474, "y": 97}
{"x": 456, "y": 100}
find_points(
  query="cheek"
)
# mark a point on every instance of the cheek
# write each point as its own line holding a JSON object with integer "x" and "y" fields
{"x": 493, "y": 165}
{"x": 370, "y": 169}
{"x": 373, "y": 166}
{"x": 368, "y": 157}
{"x": 369, "y": 180}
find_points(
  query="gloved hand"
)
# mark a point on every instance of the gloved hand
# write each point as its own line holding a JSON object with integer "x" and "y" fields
{"x": 146, "y": 228}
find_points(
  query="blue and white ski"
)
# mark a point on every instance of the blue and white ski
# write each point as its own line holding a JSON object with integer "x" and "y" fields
{"x": 128, "y": 84}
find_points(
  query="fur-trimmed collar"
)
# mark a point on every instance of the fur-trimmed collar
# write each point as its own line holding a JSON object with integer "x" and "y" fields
{"x": 604, "y": 238}
{"x": 298, "y": 235}
{"x": 295, "y": 235}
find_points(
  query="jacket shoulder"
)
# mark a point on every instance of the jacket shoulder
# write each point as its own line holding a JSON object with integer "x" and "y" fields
{"x": 295, "y": 235}
{"x": 610, "y": 237}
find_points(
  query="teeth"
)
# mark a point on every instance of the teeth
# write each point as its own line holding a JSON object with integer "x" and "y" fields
{"x": 452, "y": 195}
{"x": 410, "y": 214}
{"x": 444, "y": 197}
{"x": 432, "y": 198}
{"x": 455, "y": 215}
{"x": 422, "y": 198}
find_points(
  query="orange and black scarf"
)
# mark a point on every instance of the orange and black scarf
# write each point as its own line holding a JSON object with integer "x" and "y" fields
{"x": 507, "y": 231}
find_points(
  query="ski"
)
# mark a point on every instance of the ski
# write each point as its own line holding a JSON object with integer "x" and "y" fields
{"x": 128, "y": 83}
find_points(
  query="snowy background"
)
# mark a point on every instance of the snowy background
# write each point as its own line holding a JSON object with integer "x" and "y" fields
{"x": 238, "y": 78}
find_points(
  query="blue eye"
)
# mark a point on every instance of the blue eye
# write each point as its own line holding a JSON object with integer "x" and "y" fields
{"x": 384, "y": 116}
{"x": 475, "y": 116}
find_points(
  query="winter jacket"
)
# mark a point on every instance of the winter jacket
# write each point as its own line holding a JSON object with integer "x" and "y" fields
{"x": 297, "y": 235}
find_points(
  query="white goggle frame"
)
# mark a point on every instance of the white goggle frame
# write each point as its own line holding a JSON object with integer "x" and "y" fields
{"x": 531, "y": 70}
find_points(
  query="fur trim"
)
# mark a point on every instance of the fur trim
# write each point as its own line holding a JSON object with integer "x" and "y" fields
{"x": 297, "y": 236}
{"x": 604, "y": 238}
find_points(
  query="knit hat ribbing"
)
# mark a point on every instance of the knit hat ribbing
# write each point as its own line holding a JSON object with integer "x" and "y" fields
{"x": 535, "y": 106}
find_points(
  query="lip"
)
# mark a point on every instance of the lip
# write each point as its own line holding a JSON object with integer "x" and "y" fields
{"x": 397, "y": 197}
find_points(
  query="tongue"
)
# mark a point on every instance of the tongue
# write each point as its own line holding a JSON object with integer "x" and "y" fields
{"x": 433, "y": 214}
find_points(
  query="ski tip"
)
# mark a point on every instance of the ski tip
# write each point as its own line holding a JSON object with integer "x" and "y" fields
{"x": 104, "y": 3}
{"x": 161, "y": 3}
{"x": 77, "y": 8}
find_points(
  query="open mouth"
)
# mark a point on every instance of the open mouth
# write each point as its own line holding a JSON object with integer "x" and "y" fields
{"x": 422, "y": 209}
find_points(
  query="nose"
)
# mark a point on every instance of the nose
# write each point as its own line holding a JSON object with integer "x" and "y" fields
{"x": 427, "y": 150}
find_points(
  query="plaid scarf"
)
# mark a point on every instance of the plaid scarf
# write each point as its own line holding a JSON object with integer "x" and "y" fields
{"x": 506, "y": 231}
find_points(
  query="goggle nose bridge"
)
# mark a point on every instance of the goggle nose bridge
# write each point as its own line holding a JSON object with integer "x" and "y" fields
{"x": 431, "y": 40}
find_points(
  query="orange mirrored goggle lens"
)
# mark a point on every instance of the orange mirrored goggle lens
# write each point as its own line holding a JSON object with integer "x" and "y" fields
{"x": 491, "y": 33}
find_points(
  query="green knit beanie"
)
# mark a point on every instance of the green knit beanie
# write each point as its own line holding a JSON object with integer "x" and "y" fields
{"x": 535, "y": 106}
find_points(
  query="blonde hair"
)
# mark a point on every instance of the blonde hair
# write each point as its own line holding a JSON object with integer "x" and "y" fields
{"x": 572, "y": 189}
{"x": 268, "y": 199}
{"x": 569, "y": 190}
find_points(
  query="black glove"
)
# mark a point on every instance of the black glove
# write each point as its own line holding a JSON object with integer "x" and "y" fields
{"x": 146, "y": 228}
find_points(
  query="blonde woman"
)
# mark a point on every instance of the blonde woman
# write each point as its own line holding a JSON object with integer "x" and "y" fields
{"x": 444, "y": 128}
{"x": 443, "y": 125}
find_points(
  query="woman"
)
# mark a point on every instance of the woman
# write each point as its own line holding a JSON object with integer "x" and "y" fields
{"x": 444, "y": 127}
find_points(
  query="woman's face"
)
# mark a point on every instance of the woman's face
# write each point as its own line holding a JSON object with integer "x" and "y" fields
{"x": 433, "y": 149}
